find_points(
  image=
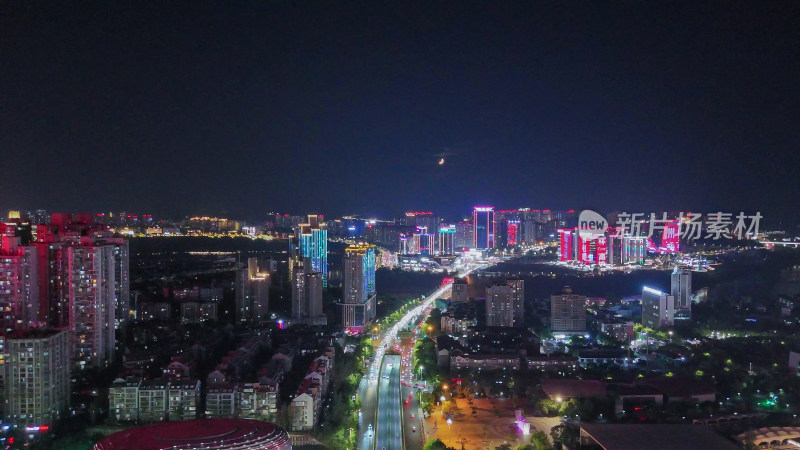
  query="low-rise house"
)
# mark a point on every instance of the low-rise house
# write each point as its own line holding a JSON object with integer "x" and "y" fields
{"x": 123, "y": 399}
{"x": 603, "y": 356}
{"x": 301, "y": 413}
{"x": 153, "y": 400}
{"x": 684, "y": 390}
{"x": 552, "y": 363}
{"x": 460, "y": 360}
{"x": 258, "y": 401}
{"x": 184, "y": 399}
{"x": 222, "y": 400}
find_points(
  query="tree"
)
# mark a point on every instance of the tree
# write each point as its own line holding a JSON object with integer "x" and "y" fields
{"x": 548, "y": 407}
{"x": 564, "y": 436}
{"x": 436, "y": 444}
{"x": 569, "y": 407}
{"x": 540, "y": 441}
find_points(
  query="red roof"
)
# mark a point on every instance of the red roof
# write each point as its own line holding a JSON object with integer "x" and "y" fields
{"x": 191, "y": 434}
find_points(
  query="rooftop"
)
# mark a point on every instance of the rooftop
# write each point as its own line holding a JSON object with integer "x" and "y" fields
{"x": 655, "y": 437}
{"x": 573, "y": 388}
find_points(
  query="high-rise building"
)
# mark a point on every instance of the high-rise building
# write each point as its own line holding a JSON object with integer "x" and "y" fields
{"x": 447, "y": 235}
{"x": 312, "y": 244}
{"x": 464, "y": 235}
{"x": 567, "y": 312}
{"x": 500, "y": 228}
{"x": 624, "y": 249}
{"x": 90, "y": 290}
{"x": 49, "y": 252}
{"x": 252, "y": 292}
{"x": 500, "y": 305}
{"x": 405, "y": 244}
{"x": 681, "y": 287}
{"x": 483, "y": 227}
{"x": 459, "y": 290}
{"x": 565, "y": 244}
{"x": 422, "y": 242}
{"x": 658, "y": 308}
{"x": 306, "y": 291}
{"x": 19, "y": 285}
{"x": 122, "y": 283}
{"x": 527, "y": 233}
{"x": 36, "y": 374}
{"x": 421, "y": 219}
{"x": 518, "y": 296}
{"x": 513, "y": 235}
{"x": 359, "y": 302}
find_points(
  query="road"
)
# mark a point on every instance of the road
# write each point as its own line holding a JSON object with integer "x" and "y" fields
{"x": 368, "y": 389}
{"x": 412, "y": 413}
{"x": 388, "y": 433}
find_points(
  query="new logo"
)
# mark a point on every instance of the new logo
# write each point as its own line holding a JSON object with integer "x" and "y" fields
{"x": 591, "y": 225}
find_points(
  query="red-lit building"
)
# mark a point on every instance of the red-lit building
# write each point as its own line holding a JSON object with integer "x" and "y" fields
{"x": 574, "y": 247}
{"x": 71, "y": 273}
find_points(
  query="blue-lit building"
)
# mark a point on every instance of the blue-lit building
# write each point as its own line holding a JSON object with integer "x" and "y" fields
{"x": 312, "y": 246}
{"x": 359, "y": 302}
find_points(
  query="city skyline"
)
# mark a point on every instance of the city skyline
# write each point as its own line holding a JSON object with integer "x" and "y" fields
{"x": 243, "y": 109}
{"x": 345, "y": 225}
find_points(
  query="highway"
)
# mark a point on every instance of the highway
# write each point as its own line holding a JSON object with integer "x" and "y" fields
{"x": 369, "y": 387}
{"x": 388, "y": 433}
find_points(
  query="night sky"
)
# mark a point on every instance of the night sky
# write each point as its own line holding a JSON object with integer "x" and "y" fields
{"x": 346, "y": 108}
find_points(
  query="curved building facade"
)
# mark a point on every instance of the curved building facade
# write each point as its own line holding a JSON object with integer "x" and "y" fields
{"x": 208, "y": 434}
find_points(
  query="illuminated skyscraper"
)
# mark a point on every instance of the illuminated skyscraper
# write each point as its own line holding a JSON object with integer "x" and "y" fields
{"x": 464, "y": 235}
{"x": 483, "y": 227}
{"x": 122, "y": 284}
{"x": 312, "y": 244}
{"x": 518, "y": 296}
{"x": 499, "y": 306}
{"x": 19, "y": 285}
{"x": 681, "y": 287}
{"x": 252, "y": 292}
{"x": 405, "y": 244}
{"x": 658, "y": 309}
{"x": 460, "y": 290}
{"x": 447, "y": 236}
{"x": 423, "y": 242}
{"x": 90, "y": 290}
{"x": 358, "y": 307}
{"x": 505, "y": 303}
